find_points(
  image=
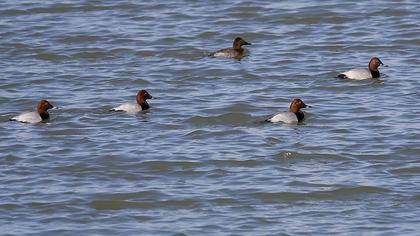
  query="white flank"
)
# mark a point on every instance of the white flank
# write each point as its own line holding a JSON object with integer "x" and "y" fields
{"x": 358, "y": 74}
{"x": 285, "y": 117}
{"x": 28, "y": 117}
{"x": 128, "y": 107}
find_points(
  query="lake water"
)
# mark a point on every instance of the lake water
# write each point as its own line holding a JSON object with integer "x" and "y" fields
{"x": 200, "y": 161}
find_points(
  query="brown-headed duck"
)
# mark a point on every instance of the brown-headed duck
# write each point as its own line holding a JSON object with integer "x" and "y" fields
{"x": 236, "y": 51}
{"x": 294, "y": 115}
{"x": 363, "y": 73}
{"x": 37, "y": 116}
{"x": 141, "y": 103}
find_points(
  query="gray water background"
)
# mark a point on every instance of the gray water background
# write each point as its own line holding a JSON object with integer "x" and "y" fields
{"x": 200, "y": 161}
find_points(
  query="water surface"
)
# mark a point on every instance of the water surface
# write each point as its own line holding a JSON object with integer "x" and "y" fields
{"x": 200, "y": 161}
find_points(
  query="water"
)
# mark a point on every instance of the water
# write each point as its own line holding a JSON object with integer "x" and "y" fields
{"x": 201, "y": 162}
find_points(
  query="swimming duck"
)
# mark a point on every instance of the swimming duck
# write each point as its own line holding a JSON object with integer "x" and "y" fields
{"x": 362, "y": 73}
{"x": 294, "y": 115}
{"x": 141, "y": 104}
{"x": 236, "y": 51}
{"x": 37, "y": 116}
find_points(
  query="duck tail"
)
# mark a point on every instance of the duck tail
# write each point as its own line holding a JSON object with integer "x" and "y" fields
{"x": 342, "y": 76}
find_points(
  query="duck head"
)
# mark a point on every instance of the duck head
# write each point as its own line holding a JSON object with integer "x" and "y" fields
{"x": 296, "y": 105}
{"x": 239, "y": 42}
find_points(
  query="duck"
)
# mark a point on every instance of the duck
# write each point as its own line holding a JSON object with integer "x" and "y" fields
{"x": 37, "y": 116}
{"x": 236, "y": 51}
{"x": 293, "y": 116}
{"x": 371, "y": 72}
{"x": 140, "y": 105}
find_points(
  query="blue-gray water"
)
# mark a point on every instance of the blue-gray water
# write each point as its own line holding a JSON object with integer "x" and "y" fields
{"x": 200, "y": 161}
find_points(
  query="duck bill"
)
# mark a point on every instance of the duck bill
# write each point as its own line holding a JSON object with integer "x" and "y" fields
{"x": 382, "y": 64}
{"x": 246, "y": 43}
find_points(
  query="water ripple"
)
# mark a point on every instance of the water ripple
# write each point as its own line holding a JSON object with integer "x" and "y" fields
{"x": 201, "y": 159}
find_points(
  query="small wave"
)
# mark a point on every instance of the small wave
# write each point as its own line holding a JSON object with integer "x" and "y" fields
{"x": 50, "y": 57}
{"x": 79, "y": 39}
{"x": 406, "y": 171}
{"x": 119, "y": 205}
{"x": 8, "y": 206}
{"x": 240, "y": 163}
{"x": 201, "y": 134}
{"x": 14, "y": 12}
{"x": 133, "y": 195}
{"x": 340, "y": 193}
{"x": 55, "y": 8}
{"x": 92, "y": 55}
{"x": 224, "y": 119}
{"x": 169, "y": 165}
{"x": 66, "y": 8}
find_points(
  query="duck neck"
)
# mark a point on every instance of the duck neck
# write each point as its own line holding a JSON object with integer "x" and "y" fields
{"x": 373, "y": 68}
{"x": 239, "y": 49}
{"x": 142, "y": 102}
{"x": 144, "y": 105}
{"x": 375, "y": 73}
{"x": 44, "y": 115}
{"x": 300, "y": 116}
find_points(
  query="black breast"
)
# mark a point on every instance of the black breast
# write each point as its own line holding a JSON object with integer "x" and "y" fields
{"x": 375, "y": 74}
{"x": 300, "y": 115}
{"x": 144, "y": 106}
{"x": 44, "y": 115}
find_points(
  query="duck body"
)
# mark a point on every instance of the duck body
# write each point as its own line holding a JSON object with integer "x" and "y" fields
{"x": 285, "y": 117}
{"x": 236, "y": 51}
{"x": 35, "y": 116}
{"x": 293, "y": 116}
{"x": 28, "y": 117}
{"x": 228, "y": 53}
{"x": 356, "y": 74}
{"x": 371, "y": 72}
{"x": 128, "y": 107}
{"x": 140, "y": 105}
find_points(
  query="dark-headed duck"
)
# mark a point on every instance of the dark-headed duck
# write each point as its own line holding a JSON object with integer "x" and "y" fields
{"x": 236, "y": 51}
{"x": 37, "y": 116}
{"x": 294, "y": 115}
{"x": 141, "y": 103}
{"x": 363, "y": 73}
